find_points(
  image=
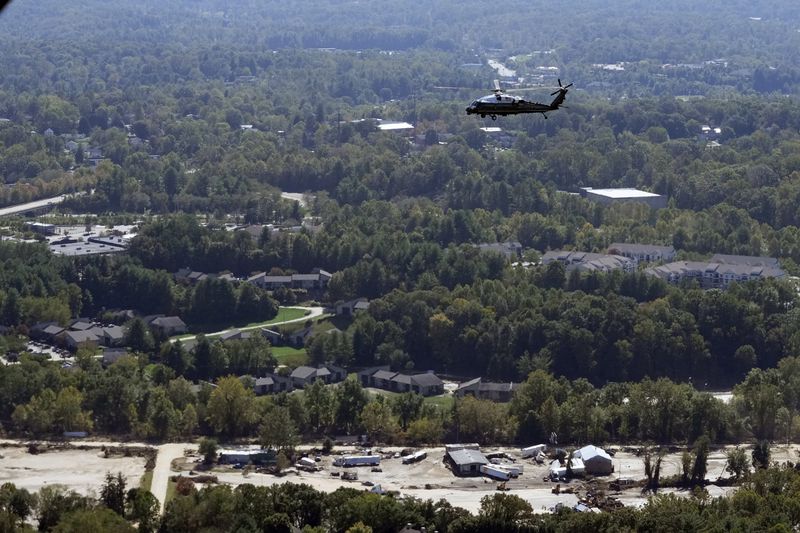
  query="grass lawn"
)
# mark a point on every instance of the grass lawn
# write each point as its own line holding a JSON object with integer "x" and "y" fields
{"x": 147, "y": 480}
{"x": 283, "y": 315}
{"x": 293, "y": 357}
{"x": 444, "y": 401}
{"x": 170, "y": 491}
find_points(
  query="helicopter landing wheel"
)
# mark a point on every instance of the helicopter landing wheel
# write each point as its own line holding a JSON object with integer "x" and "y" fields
{"x": 494, "y": 117}
{"x": 483, "y": 115}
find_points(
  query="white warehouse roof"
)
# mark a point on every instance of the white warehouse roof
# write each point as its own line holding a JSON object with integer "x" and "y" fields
{"x": 623, "y": 193}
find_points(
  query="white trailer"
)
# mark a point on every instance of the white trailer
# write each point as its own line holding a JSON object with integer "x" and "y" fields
{"x": 533, "y": 451}
{"x": 514, "y": 470}
{"x": 414, "y": 457}
{"x": 306, "y": 463}
{"x": 495, "y": 472}
{"x": 358, "y": 460}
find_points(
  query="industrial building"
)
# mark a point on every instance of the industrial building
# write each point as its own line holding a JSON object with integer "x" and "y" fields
{"x": 465, "y": 459}
{"x": 615, "y": 196}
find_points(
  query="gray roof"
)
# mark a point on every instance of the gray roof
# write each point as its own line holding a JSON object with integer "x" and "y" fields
{"x": 264, "y": 382}
{"x": 500, "y": 387}
{"x": 426, "y": 380}
{"x": 82, "y": 336}
{"x": 168, "y": 322}
{"x": 640, "y": 248}
{"x": 469, "y": 384}
{"x": 744, "y": 260}
{"x": 303, "y": 372}
{"x": 277, "y": 279}
{"x": 405, "y": 379}
{"x": 114, "y": 332}
{"x": 467, "y": 457}
{"x": 384, "y": 374}
{"x": 305, "y": 277}
{"x": 53, "y": 329}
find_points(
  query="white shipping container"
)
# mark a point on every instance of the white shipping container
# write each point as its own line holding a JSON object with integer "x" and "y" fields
{"x": 358, "y": 460}
{"x": 533, "y": 451}
{"x": 495, "y": 472}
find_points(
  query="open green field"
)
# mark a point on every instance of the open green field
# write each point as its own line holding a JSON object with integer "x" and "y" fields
{"x": 289, "y": 356}
{"x": 214, "y": 330}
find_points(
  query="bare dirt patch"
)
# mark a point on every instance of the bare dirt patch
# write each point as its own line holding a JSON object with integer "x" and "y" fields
{"x": 81, "y": 470}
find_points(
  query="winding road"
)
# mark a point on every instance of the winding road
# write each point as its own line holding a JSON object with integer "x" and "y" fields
{"x": 314, "y": 312}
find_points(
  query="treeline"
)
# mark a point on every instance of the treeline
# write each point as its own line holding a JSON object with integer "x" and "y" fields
{"x": 150, "y": 398}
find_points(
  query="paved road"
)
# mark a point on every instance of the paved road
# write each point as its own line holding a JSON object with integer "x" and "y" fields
{"x": 38, "y": 204}
{"x": 299, "y": 197}
{"x": 162, "y": 470}
{"x": 314, "y": 313}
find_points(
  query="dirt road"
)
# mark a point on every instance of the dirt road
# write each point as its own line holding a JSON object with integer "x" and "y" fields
{"x": 162, "y": 470}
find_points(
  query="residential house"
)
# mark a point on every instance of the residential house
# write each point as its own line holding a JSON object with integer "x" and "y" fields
{"x": 272, "y": 384}
{"x": 427, "y": 384}
{"x": 76, "y": 339}
{"x": 112, "y": 355}
{"x": 274, "y": 337}
{"x": 382, "y": 379}
{"x": 365, "y": 375}
{"x": 305, "y": 375}
{"x": 511, "y": 249}
{"x": 298, "y": 338}
{"x": 81, "y": 324}
{"x": 350, "y": 307}
{"x": 112, "y": 335}
{"x": 234, "y": 335}
{"x": 168, "y": 325}
{"x": 317, "y": 280}
{"x": 485, "y": 390}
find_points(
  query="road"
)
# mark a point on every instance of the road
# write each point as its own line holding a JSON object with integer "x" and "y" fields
{"x": 163, "y": 470}
{"x": 38, "y": 204}
{"x": 315, "y": 312}
{"x": 298, "y": 197}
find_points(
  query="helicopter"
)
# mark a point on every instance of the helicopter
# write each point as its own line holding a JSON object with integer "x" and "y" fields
{"x": 500, "y": 103}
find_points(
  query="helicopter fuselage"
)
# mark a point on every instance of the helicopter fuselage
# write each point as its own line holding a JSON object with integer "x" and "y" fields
{"x": 505, "y": 104}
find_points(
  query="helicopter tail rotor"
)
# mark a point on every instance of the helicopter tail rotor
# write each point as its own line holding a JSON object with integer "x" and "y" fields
{"x": 561, "y": 88}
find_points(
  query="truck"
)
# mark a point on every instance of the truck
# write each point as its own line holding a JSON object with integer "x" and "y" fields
{"x": 357, "y": 460}
{"x": 495, "y": 472}
{"x": 533, "y": 451}
{"x": 414, "y": 457}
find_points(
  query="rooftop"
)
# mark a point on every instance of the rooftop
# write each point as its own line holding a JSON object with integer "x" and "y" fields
{"x": 622, "y": 193}
{"x": 467, "y": 457}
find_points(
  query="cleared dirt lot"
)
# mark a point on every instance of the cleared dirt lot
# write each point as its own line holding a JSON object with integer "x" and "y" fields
{"x": 431, "y": 479}
{"x": 81, "y": 470}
